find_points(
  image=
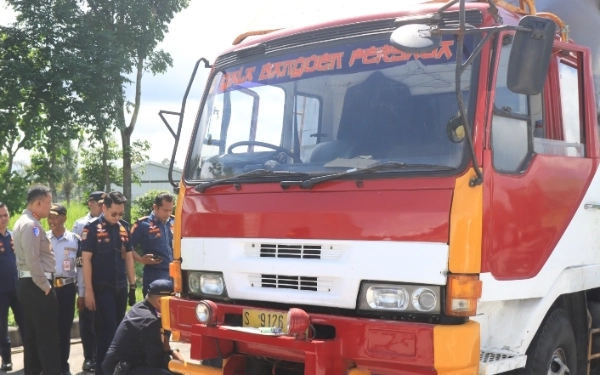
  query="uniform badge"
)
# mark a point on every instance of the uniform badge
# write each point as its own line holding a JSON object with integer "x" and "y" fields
{"x": 84, "y": 234}
{"x": 1, "y": 249}
{"x": 36, "y": 231}
{"x": 107, "y": 240}
{"x": 99, "y": 226}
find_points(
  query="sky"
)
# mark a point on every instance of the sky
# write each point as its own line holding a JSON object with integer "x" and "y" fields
{"x": 203, "y": 30}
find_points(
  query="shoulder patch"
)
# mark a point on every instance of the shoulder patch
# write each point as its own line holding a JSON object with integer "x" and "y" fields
{"x": 84, "y": 234}
{"x": 36, "y": 231}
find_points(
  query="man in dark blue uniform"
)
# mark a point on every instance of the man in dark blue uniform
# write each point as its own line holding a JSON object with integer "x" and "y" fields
{"x": 107, "y": 266}
{"x": 86, "y": 317}
{"x": 8, "y": 287}
{"x": 139, "y": 347}
{"x": 154, "y": 234}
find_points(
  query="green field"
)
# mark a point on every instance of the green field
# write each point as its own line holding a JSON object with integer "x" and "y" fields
{"x": 74, "y": 212}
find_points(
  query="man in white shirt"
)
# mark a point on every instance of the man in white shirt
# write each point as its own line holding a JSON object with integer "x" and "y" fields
{"x": 65, "y": 245}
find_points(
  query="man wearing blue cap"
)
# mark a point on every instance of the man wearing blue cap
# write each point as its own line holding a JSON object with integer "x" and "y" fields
{"x": 139, "y": 347}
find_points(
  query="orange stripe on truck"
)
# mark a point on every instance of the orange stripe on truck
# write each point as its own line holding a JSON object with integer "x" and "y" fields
{"x": 466, "y": 218}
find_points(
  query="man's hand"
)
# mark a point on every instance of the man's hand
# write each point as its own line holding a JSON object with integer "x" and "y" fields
{"x": 131, "y": 295}
{"x": 176, "y": 355}
{"x": 80, "y": 304}
{"x": 90, "y": 300}
{"x": 149, "y": 259}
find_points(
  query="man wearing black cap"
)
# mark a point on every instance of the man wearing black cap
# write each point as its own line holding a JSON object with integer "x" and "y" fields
{"x": 86, "y": 316}
{"x": 139, "y": 346}
{"x": 67, "y": 279}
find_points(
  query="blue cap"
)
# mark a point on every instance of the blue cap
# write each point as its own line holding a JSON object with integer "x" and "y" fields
{"x": 161, "y": 288}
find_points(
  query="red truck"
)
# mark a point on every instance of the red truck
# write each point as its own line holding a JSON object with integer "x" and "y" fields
{"x": 413, "y": 192}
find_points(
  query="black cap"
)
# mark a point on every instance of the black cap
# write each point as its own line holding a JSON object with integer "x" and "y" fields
{"x": 97, "y": 196}
{"x": 161, "y": 288}
{"x": 58, "y": 209}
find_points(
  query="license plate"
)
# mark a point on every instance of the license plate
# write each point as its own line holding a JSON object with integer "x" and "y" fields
{"x": 264, "y": 318}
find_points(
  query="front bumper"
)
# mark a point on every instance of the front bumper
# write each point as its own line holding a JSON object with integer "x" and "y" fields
{"x": 359, "y": 345}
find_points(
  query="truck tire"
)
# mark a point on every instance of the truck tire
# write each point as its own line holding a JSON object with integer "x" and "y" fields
{"x": 553, "y": 350}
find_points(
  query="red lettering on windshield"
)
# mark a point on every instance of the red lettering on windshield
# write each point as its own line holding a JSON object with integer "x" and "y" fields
{"x": 387, "y": 53}
{"x": 296, "y": 68}
{"x": 237, "y": 77}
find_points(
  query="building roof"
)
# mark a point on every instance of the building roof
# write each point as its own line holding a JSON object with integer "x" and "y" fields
{"x": 156, "y": 164}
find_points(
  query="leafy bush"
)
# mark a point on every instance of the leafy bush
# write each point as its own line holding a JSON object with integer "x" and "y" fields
{"x": 142, "y": 205}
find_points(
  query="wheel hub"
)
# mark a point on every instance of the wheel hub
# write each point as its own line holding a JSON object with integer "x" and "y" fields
{"x": 558, "y": 363}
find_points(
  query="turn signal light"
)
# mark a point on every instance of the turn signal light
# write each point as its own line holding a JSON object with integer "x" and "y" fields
{"x": 175, "y": 273}
{"x": 462, "y": 295}
{"x": 298, "y": 321}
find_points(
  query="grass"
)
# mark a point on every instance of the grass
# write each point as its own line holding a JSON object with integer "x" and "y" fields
{"x": 75, "y": 211}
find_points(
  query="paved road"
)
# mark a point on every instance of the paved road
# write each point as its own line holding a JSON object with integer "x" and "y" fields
{"x": 76, "y": 358}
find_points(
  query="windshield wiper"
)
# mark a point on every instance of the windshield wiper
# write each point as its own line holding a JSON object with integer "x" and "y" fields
{"x": 378, "y": 167}
{"x": 254, "y": 173}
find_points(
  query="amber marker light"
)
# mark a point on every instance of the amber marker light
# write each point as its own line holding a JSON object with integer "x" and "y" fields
{"x": 463, "y": 291}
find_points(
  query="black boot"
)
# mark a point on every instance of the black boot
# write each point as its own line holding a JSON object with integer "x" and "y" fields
{"x": 6, "y": 366}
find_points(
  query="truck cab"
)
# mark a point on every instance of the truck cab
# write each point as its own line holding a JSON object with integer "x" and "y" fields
{"x": 350, "y": 206}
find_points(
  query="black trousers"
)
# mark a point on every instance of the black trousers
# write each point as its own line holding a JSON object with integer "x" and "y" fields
{"x": 88, "y": 334}
{"x": 66, "y": 313}
{"x": 111, "y": 304}
{"x": 9, "y": 300}
{"x": 40, "y": 341}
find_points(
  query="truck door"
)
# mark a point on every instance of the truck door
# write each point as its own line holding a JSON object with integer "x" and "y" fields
{"x": 540, "y": 160}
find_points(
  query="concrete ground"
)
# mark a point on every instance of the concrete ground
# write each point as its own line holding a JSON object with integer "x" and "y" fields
{"x": 76, "y": 358}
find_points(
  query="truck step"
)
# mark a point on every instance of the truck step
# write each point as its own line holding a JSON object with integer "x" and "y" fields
{"x": 498, "y": 362}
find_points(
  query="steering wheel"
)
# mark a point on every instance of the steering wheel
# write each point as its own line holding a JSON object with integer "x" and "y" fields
{"x": 266, "y": 145}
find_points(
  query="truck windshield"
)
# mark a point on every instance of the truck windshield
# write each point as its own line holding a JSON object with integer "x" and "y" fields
{"x": 321, "y": 111}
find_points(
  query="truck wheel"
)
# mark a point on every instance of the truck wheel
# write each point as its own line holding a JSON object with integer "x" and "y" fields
{"x": 553, "y": 350}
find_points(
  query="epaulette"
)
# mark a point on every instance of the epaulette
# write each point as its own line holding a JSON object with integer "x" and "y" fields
{"x": 126, "y": 224}
{"x": 76, "y": 236}
{"x": 173, "y": 217}
{"x": 142, "y": 219}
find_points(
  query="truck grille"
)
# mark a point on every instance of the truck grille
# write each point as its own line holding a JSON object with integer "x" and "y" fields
{"x": 293, "y": 251}
{"x": 314, "y": 284}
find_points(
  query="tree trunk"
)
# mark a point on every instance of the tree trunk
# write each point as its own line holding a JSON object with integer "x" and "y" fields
{"x": 52, "y": 179}
{"x": 126, "y": 143}
{"x": 126, "y": 132}
{"x": 105, "y": 165}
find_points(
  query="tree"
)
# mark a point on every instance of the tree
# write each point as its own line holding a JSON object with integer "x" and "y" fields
{"x": 100, "y": 43}
{"x": 56, "y": 167}
{"x": 93, "y": 172}
{"x": 142, "y": 205}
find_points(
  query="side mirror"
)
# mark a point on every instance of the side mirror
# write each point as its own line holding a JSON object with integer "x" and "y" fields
{"x": 456, "y": 129}
{"x": 530, "y": 55}
{"x": 415, "y": 38}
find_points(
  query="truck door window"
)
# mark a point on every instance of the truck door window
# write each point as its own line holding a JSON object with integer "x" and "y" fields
{"x": 308, "y": 121}
{"x": 512, "y": 119}
{"x": 571, "y": 109}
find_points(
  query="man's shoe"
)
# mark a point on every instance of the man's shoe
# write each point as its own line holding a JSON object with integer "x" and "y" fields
{"x": 89, "y": 365}
{"x": 6, "y": 367}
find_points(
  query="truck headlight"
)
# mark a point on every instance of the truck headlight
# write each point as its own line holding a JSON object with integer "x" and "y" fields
{"x": 208, "y": 283}
{"x": 397, "y": 297}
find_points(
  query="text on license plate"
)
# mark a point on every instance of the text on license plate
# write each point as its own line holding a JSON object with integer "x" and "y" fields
{"x": 264, "y": 318}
